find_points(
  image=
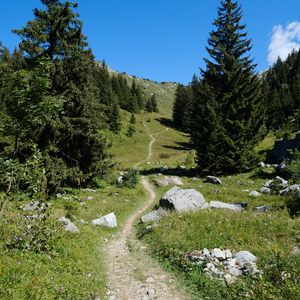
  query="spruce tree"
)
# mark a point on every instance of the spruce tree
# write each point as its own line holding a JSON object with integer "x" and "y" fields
{"x": 154, "y": 104}
{"x": 56, "y": 33}
{"x": 228, "y": 102}
{"x": 131, "y": 128}
{"x": 149, "y": 105}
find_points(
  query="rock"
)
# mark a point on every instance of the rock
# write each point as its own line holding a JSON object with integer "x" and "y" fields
{"x": 183, "y": 200}
{"x": 263, "y": 208}
{"x": 153, "y": 216}
{"x": 295, "y": 251}
{"x": 265, "y": 190}
{"x": 292, "y": 188}
{"x": 89, "y": 198}
{"x": 244, "y": 257}
{"x": 213, "y": 179}
{"x": 282, "y": 181}
{"x": 90, "y": 190}
{"x": 281, "y": 166}
{"x": 168, "y": 180}
{"x": 120, "y": 179}
{"x": 164, "y": 168}
{"x": 262, "y": 164}
{"x": 151, "y": 293}
{"x": 34, "y": 205}
{"x": 68, "y": 225}
{"x": 229, "y": 279}
{"x": 218, "y": 253}
{"x": 82, "y": 204}
{"x": 234, "y": 271}
{"x": 223, "y": 205}
{"x": 228, "y": 254}
{"x": 254, "y": 194}
{"x": 150, "y": 280}
{"x": 109, "y": 220}
{"x": 268, "y": 183}
{"x": 82, "y": 222}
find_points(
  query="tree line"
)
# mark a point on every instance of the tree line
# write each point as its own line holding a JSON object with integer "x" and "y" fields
{"x": 55, "y": 100}
{"x": 229, "y": 108}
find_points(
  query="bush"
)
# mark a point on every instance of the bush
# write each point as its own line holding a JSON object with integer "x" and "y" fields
{"x": 130, "y": 179}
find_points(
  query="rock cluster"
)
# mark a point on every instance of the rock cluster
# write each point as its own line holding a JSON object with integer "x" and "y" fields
{"x": 182, "y": 200}
{"x": 224, "y": 264}
{"x": 213, "y": 179}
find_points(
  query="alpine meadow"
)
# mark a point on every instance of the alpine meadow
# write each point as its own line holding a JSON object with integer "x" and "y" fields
{"x": 115, "y": 186}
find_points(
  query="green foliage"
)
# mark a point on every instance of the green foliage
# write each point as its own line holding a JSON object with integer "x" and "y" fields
{"x": 151, "y": 105}
{"x": 228, "y": 101}
{"x": 131, "y": 128}
{"x": 130, "y": 179}
{"x": 33, "y": 234}
{"x": 71, "y": 208}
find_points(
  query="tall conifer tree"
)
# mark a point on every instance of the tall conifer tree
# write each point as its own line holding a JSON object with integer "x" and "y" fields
{"x": 229, "y": 107}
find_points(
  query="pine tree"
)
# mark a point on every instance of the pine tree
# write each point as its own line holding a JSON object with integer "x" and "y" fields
{"x": 154, "y": 104}
{"x": 149, "y": 105}
{"x": 229, "y": 107}
{"x": 131, "y": 128}
{"x": 56, "y": 33}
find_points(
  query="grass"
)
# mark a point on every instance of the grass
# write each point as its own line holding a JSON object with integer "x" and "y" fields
{"x": 74, "y": 268}
{"x": 270, "y": 236}
{"x": 127, "y": 151}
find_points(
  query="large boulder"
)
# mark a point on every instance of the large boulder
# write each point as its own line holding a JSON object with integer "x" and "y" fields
{"x": 109, "y": 220}
{"x": 68, "y": 225}
{"x": 153, "y": 216}
{"x": 183, "y": 200}
{"x": 223, "y": 205}
{"x": 291, "y": 189}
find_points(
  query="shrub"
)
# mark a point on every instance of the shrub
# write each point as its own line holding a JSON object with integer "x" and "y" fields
{"x": 130, "y": 179}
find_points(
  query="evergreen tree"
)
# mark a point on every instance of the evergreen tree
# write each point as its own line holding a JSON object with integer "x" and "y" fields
{"x": 149, "y": 105}
{"x": 131, "y": 128}
{"x": 56, "y": 33}
{"x": 154, "y": 104}
{"x": 229, "y": 107}
{"x": 114, "y": 117}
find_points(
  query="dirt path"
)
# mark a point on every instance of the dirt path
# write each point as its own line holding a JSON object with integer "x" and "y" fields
{"x": 132, "y": 273}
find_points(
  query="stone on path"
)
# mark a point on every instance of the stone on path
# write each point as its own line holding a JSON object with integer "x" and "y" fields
{"x": 183, "y": 200}
{"x": 109, "y": 220}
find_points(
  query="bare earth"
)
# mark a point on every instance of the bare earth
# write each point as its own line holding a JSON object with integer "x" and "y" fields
{"x": 132, "y": 273}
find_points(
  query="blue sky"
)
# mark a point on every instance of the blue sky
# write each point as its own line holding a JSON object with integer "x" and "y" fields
{"x": 165, "y": 40}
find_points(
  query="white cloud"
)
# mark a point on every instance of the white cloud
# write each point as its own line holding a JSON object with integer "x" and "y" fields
{"x": 284, "y": 39}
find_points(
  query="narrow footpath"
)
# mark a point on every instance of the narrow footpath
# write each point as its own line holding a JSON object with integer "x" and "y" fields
{"x": 132, "y": 273}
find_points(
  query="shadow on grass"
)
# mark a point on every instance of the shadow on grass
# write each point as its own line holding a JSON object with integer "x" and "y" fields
{"x": 166, "y": 122}
{"x": 180, "y": 146}
{"x": 171, "y": 172}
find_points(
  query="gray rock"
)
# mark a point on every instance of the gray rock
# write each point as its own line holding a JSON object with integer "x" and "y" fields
{"x": 262, "y": 164}
{"x": 228, "y": 254}
{"x": 89, "y": 198}
{"x": 254, "y": 194}
{"x": 183, "y": 200}
{"x": 223, "y": 205}
{"x": 151, "y": 293}
{"x": 295, "y": 251}
{"x": 244, "y": 257}
{"x": 290, "y": 189}
{"x": 68, "y": 225}
{"x": 229, "y": 279}
{"x": 213, "y": 179}
{"x": 268, "y": 183}
{"x": 234, "y": 271}
{"x": 34, "y": 205}
{"x": 109, "y": 220}
{"x": 169, "y": 180}
{"x": 263, "y": 208}
{"x": 281, "y": 166}
{"x": 218, "y": 253}
{"x": 153, "y": 216}
{"x": 283, "y": 182}
{"x": 82, "y": 222}
{"x": 265, "y": 190}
